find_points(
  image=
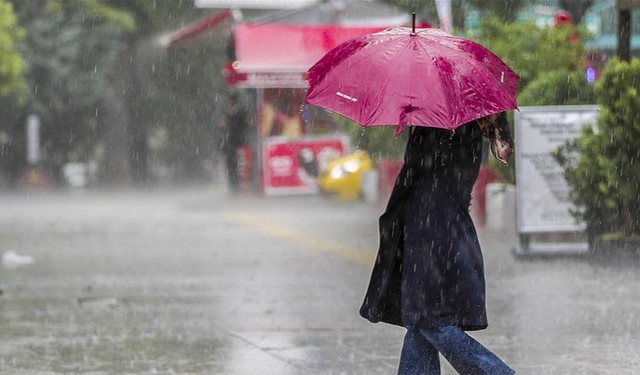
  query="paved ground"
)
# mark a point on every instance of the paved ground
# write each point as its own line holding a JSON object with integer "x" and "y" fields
{"x": 196, "y": 283}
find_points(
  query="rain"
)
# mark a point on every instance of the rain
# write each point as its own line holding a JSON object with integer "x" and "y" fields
{"x": 335, "y": 187}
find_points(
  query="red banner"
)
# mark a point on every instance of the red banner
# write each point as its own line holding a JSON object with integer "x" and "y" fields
{"x": 291, "y": 166}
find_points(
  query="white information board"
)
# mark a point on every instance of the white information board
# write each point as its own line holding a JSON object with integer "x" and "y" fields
{"x": 543, "y": 205}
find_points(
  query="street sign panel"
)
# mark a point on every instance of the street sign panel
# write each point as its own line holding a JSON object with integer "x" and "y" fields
{"x": 543, "y": 204}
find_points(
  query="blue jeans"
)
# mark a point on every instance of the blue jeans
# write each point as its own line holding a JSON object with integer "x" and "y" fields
{"x": 421, "y": 346}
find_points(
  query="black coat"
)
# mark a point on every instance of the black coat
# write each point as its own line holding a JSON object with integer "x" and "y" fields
{"x": 429, "y": 269}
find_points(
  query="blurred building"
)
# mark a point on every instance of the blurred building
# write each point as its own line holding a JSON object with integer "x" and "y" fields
{"x": 602, "y": 20}
{"x": 271, "y": 46}
{"x": 542, "y": 12}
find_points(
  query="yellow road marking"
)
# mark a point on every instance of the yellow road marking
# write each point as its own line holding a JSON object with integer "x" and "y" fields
{"x": 318, "y": 244}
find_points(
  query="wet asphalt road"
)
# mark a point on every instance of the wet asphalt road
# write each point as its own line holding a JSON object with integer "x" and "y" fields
{"x": 193, "y": 282}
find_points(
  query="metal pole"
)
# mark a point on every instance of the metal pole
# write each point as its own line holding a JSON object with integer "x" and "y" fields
{"x": 259, "y": 171}
{"x": 413, "y": 23}
{"x": 624, "y": 34}
{"x": 33, "y": 139}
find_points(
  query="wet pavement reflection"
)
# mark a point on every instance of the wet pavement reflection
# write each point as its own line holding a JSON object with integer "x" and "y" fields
{"x": 194, "y": 282}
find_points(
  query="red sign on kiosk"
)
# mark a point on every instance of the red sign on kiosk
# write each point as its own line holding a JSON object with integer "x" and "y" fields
{"x": 291, "y": 166}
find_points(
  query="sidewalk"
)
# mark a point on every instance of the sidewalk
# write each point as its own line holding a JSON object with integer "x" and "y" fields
{"x": 198, "y": 283}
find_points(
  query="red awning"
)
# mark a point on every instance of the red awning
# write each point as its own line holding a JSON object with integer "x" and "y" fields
{"x": 272, "y": 54}
{"x": 278, "y": 55}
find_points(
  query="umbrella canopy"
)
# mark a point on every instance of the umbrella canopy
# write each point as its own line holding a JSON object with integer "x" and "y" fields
{"x": 424, "y": 78}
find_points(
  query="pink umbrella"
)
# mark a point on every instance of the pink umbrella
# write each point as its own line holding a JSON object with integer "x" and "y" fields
{"x": 400, "y": 77}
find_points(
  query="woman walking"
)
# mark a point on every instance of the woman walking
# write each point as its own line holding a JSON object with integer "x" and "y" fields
{"x": 429, "y": 275}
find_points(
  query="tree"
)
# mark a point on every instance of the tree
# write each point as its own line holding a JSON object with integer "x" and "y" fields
{"x": 504, "y": 10}
{"x": 558, "y": 87}
{"x": 551, "y": 74}
{"x": 69, "y": 69}
{"x": 138, "y": 71}
{"x": 548, "y": 60}
{"x": 99, "y": 11}
{"x": 530, "y": 50}
{"x": 602, "y": 166}
{"x": 11, "y": 62}
{"x": 12, "y": 90}
{"x": 104, "y": 86}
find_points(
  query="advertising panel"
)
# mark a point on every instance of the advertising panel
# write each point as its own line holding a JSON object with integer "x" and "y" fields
{"x": 290, "y": 166}
{"x": 543, "y": 203}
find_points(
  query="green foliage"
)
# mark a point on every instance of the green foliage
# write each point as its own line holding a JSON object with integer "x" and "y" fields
{"x": 548, "y": 61}
{"x": 504, "y": 10}
{"x": 558, "y": 87}
{"x": 75, "y": 56}
{"x": 12, "y": 64}
{"x": 532, "y": 51}
{"x": 379, "y": 141}
{"x": 103, "y": 86}
{"x": 98, "y": 10}
{"x": 148, "y": 16}
{"x": 70, "y": 75}
{"x": 602, "y": 166}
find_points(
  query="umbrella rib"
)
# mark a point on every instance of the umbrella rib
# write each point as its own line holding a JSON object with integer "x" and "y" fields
{"x": 360, "y": 57}
{"x": 505, "y": 69}
{"x": 448, "y": 102}
{"x": 388, "y": 72}
{"x": 363, "y": 58}
{"x": 493, "y": 78}
{"x": 476, "y": 64}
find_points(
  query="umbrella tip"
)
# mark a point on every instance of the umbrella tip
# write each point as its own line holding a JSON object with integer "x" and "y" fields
{"x": 413, "y": 23}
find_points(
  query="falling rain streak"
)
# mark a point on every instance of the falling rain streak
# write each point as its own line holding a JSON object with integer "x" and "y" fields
{"x": 176, "y": 198}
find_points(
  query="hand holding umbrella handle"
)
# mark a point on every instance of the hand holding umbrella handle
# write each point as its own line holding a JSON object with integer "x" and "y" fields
{"x": 501, "y": 150}
{"x": 496, "y": 129}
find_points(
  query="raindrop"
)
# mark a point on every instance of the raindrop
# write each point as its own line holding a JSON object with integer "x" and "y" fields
{"x": 360, "y": 138}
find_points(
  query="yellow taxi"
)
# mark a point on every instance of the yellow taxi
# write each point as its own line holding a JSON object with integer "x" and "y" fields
{"x": 343, "y": 177}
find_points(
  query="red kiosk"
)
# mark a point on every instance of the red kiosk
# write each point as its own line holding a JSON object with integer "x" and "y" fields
{"x": 271, "y": 54}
